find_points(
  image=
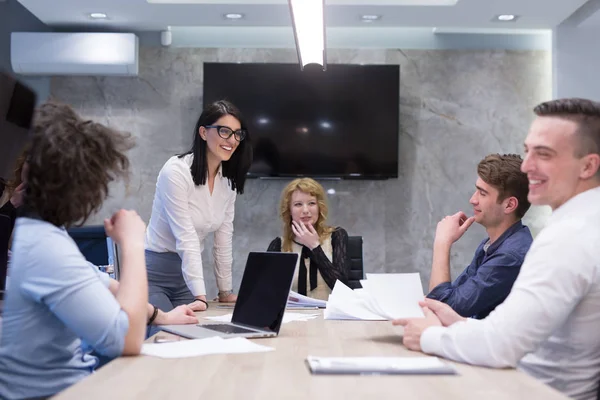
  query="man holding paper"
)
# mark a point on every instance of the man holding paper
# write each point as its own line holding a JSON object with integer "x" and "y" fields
{"x": 499, "y": 203}
{"x": 548, "y": 325}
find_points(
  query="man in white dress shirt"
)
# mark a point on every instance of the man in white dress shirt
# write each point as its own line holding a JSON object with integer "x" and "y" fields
{"x": 549, "y": 325}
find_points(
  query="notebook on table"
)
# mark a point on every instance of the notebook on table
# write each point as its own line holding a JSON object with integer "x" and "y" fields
{"x": 379, "y": 366}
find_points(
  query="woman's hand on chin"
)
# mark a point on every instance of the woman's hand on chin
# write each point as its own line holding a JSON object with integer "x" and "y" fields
{"x": 305, "y": 234}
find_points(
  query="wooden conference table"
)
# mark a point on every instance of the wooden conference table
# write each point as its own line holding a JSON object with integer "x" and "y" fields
{"x": 282, "y": 374}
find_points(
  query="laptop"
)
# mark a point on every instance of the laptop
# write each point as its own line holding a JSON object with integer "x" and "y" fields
{"x": 261, "y": 301}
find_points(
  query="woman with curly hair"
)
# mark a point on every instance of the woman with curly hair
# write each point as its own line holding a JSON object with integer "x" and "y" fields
{"x": 58, "y": 307}
{"x": 322, "y": 248}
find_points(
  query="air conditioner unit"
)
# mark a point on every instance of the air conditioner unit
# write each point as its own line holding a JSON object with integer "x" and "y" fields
{"x": 37, "y": 53}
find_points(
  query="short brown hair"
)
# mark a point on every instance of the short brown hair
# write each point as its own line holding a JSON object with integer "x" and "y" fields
{"x": 71, "y": 163}
{"x": 586, "y": 113}
{"x": 503, "y": 172}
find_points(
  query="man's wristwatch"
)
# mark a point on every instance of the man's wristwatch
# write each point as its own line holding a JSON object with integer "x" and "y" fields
{"x": 225, "y": 293}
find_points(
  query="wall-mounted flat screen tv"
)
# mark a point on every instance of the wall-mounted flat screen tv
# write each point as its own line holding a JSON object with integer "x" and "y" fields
{"x": 338, "y": 123}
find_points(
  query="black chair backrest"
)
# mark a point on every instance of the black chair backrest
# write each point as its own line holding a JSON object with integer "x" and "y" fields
{"x": 356, "y": 261}
{"x": 91, "y": 241}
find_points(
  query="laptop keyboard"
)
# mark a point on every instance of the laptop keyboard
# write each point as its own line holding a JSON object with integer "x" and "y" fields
{"x": 227, "y": 328}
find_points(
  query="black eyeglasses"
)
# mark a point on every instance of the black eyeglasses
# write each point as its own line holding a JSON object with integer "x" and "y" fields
{"x": 225, "y": 132}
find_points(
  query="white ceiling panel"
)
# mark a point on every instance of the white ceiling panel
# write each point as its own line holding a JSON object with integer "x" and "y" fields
{"x": 142, "y": 15}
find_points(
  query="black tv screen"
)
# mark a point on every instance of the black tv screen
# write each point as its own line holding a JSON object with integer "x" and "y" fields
{"x": 339, "y": 123}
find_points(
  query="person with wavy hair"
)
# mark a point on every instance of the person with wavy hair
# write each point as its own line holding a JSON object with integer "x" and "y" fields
{"x": 322, "y": 249}
{"x": 58, "y": 307}
{"x": 195, "y": 196}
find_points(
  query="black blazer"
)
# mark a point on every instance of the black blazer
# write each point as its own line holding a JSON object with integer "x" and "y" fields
{"x": 338, "y": 268}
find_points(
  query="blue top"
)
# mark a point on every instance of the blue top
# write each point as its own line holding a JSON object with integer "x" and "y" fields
{"x": 57, "y": 309}
{"x": 486, "y": 282}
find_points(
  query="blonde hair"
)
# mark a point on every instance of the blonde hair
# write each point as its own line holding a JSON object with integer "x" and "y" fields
{"x": 310, "y": 187}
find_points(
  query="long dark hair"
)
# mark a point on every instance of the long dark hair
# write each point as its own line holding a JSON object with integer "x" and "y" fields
{"x": 237, "y": 166}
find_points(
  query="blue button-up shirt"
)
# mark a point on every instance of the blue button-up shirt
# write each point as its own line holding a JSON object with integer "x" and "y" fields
{"x": 486, "y": 282}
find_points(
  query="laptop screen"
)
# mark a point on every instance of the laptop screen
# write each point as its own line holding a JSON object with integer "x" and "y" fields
{"x": 264, "y": 290}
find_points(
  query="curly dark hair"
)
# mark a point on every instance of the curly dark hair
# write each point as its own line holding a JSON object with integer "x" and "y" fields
{"x": 71, "y": 162}
{"x": 503, "y": 172}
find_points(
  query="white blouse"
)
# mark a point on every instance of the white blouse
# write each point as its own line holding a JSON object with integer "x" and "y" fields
{"x": 183, "y": 214}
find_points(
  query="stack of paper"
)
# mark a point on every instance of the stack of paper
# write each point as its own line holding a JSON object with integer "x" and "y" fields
{"x": 298, "y": 300}
{"x": 202, "y": 347}
{"x": 287, "y": 317}
{"x": 383, "y": 297}
{"x": 378, "y": 365}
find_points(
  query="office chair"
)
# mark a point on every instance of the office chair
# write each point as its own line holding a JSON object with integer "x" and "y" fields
{"x": 356, "y": 265}
{"x": 91, "y": 241}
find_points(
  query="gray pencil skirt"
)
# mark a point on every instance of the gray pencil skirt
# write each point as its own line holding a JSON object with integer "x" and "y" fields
{"x": 166, "y": 286}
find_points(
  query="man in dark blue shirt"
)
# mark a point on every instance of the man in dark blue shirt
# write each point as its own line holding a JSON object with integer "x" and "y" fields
{"x": 499, "y": 203}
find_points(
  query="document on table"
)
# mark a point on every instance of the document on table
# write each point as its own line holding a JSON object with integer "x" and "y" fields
{"x": 298, "y": 300}
{"x": 397, "y": 295}
{"x": 379, "y": 365}
{"x": 287, "y": 317}
{"x": 383, "y": 297}
{"x": 344, "y": 303}
{"x": 202, "y": 347}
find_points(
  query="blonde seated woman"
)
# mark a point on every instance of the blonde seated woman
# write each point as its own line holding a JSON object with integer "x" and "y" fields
{"x": 322, "y": 248}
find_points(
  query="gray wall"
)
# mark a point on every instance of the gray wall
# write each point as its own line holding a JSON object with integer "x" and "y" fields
{"x": 576, "y": 59}
{"x": 456, "y": 107}
{"x": 16, "y": 18}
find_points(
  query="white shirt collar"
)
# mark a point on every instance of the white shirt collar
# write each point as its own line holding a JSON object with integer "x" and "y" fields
{"x": 577, "y": 204}
{"x": 190, "y": 157}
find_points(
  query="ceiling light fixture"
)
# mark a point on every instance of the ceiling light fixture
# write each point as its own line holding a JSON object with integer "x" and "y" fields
{"x": 309, "y": 31}
{"x": 234, "y": 16}
{"x": 98, "y": 15}
{"x": 506, "y": 18}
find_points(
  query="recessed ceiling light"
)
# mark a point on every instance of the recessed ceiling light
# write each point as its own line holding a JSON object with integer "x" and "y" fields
{"x": 97, "y": 15}
{"x": 506, "y": 18}
{"x": 234, "y": 16}
{"x": 370, "y": 17}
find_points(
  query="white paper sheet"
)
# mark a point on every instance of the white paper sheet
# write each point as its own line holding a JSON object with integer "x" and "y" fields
{"x": 383, "y": 297}
{"x": 201, "y": 347}
{"x": 397, "y": 295}
{"x": 287, "y": 317}
{"x": 346, "y": 304}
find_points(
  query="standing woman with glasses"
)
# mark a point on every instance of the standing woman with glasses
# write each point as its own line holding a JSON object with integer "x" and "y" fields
{"x": 195, "y": 195}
